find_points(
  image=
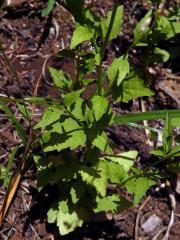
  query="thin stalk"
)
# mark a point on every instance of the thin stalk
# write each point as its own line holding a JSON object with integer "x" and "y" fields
{"x": 103, "y": 49}
{"x": 9, "y": 64}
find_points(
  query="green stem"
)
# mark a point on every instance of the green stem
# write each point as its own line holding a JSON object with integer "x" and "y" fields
{"x": 103, "y": 49}
{"x": 9, "y": 64}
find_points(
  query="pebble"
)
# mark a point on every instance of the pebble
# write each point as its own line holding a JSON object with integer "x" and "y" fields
{"x": 151, "y": 224}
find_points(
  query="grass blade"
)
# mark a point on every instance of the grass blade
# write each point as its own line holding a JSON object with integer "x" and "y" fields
{"x": 14, "y": 121}
{"x": 136, "y": 117}
{"x": 9, "y": 165}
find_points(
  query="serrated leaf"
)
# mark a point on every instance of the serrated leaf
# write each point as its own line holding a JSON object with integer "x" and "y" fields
{"x": 77, "y": 191}
{"x": 118, "y": 70}
{"x": 139, "y": 187}
{"x": 132, "y": 88}
{"x": 77, "y": 109}
{"x": 125, "y": 159}
{"x": 50, "y": 116}
{"x": 67, "y": 220}
{"x": 99, "y": 106}
{"x": 101, "y": 142}
{"x": 52, "y": 215}
{"x": 71, "y": 140}
{"x": 59, "y": 78}
{"x": 116, "y": 26}
{"x": 107, "y": 204}
{"x": 96, "y": 177}
{"x": 142, "y": 28}
{"x": 72, "y": 97}
{"x": 81, "y": 34}
{"x": 167, "y": 28}
{"x": 116, "y": 172}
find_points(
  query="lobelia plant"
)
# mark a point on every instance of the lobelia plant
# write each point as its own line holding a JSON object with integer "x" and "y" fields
{"x": 76, "y": 153}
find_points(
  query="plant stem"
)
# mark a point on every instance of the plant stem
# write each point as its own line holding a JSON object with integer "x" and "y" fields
{"x": 9, "y": 64}
{"x": 103, "y": 49}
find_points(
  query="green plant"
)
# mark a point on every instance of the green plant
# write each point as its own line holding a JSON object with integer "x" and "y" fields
{"x": 75, "y": 153}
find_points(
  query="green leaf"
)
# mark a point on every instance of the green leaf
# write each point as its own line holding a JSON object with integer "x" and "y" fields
{"x": 124, "y": 69}
{"x": 125, "y": 159}
{"x": 96, "y": 177}
{"x": 48, "y": 9}
{"x": 108, "y": 204}
{"x": 66, "y": 135}
{"x": 132, "y": 88}
{"x": 77, "y": 109}
{"x": 116, "y": 172}
{"x": 158, "y": 152}
{"x": 52, "y": 215}
{"x": 9, "y": 166}
{"x": 72, "y": 97}
{"x": 139, "y": 187}
{"x": 167, "y": 135}
{"x": 101, "y": 142}
{"x": 143, "y": 28}
{"x": 81, "y": 34}
{"x": 118, "y": 70}
{"x": 161, "y": 55}
{"x": 50, "y": 116}
{"x": 68, "y": 217}
{"x": 100, "y": 106}
{"x": 77, "y": 191}
{"x": 16, "y": 124}
{"x": 154, "y": 115}
{"x": 167, "y": 28}
{"x": 175, "y": 122}
{"x": 174, "y": 152}
{"x": 60, "y": 80}
{"x": 24, "y": 111}
{"x": 116, "y": 26}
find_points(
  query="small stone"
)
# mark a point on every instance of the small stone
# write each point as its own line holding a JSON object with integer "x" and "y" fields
{"x": 151, "y": 224}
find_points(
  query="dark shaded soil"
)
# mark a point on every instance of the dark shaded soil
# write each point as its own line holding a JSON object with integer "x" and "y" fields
{"x": 31, "y": 43}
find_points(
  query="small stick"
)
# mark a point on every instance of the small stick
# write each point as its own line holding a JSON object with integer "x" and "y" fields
{"x": 138, "y": 217}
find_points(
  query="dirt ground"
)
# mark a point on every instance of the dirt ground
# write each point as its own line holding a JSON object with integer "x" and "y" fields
{"x": 31, "y": 42}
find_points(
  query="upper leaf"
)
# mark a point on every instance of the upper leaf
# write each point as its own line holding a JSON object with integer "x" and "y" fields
{"x": 81, "y": 34}
{"x": 143, "y": 28}
{"x": 133, "y": 87}
{"x": 139, "y": 186}
{"x": 108, "y": 203}
{"x": 118, "y": 70}
{"x": 115, "y": 29}
{"x": 50, "y": 116}
{"x": 99, "y": 106}
{"x": 97, "y": 177}
{"x": 125, "y": 159}
{"x": 60, "y": 80}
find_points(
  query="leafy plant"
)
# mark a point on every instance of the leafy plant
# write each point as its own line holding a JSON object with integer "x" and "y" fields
{"x": 76, "y": 154}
